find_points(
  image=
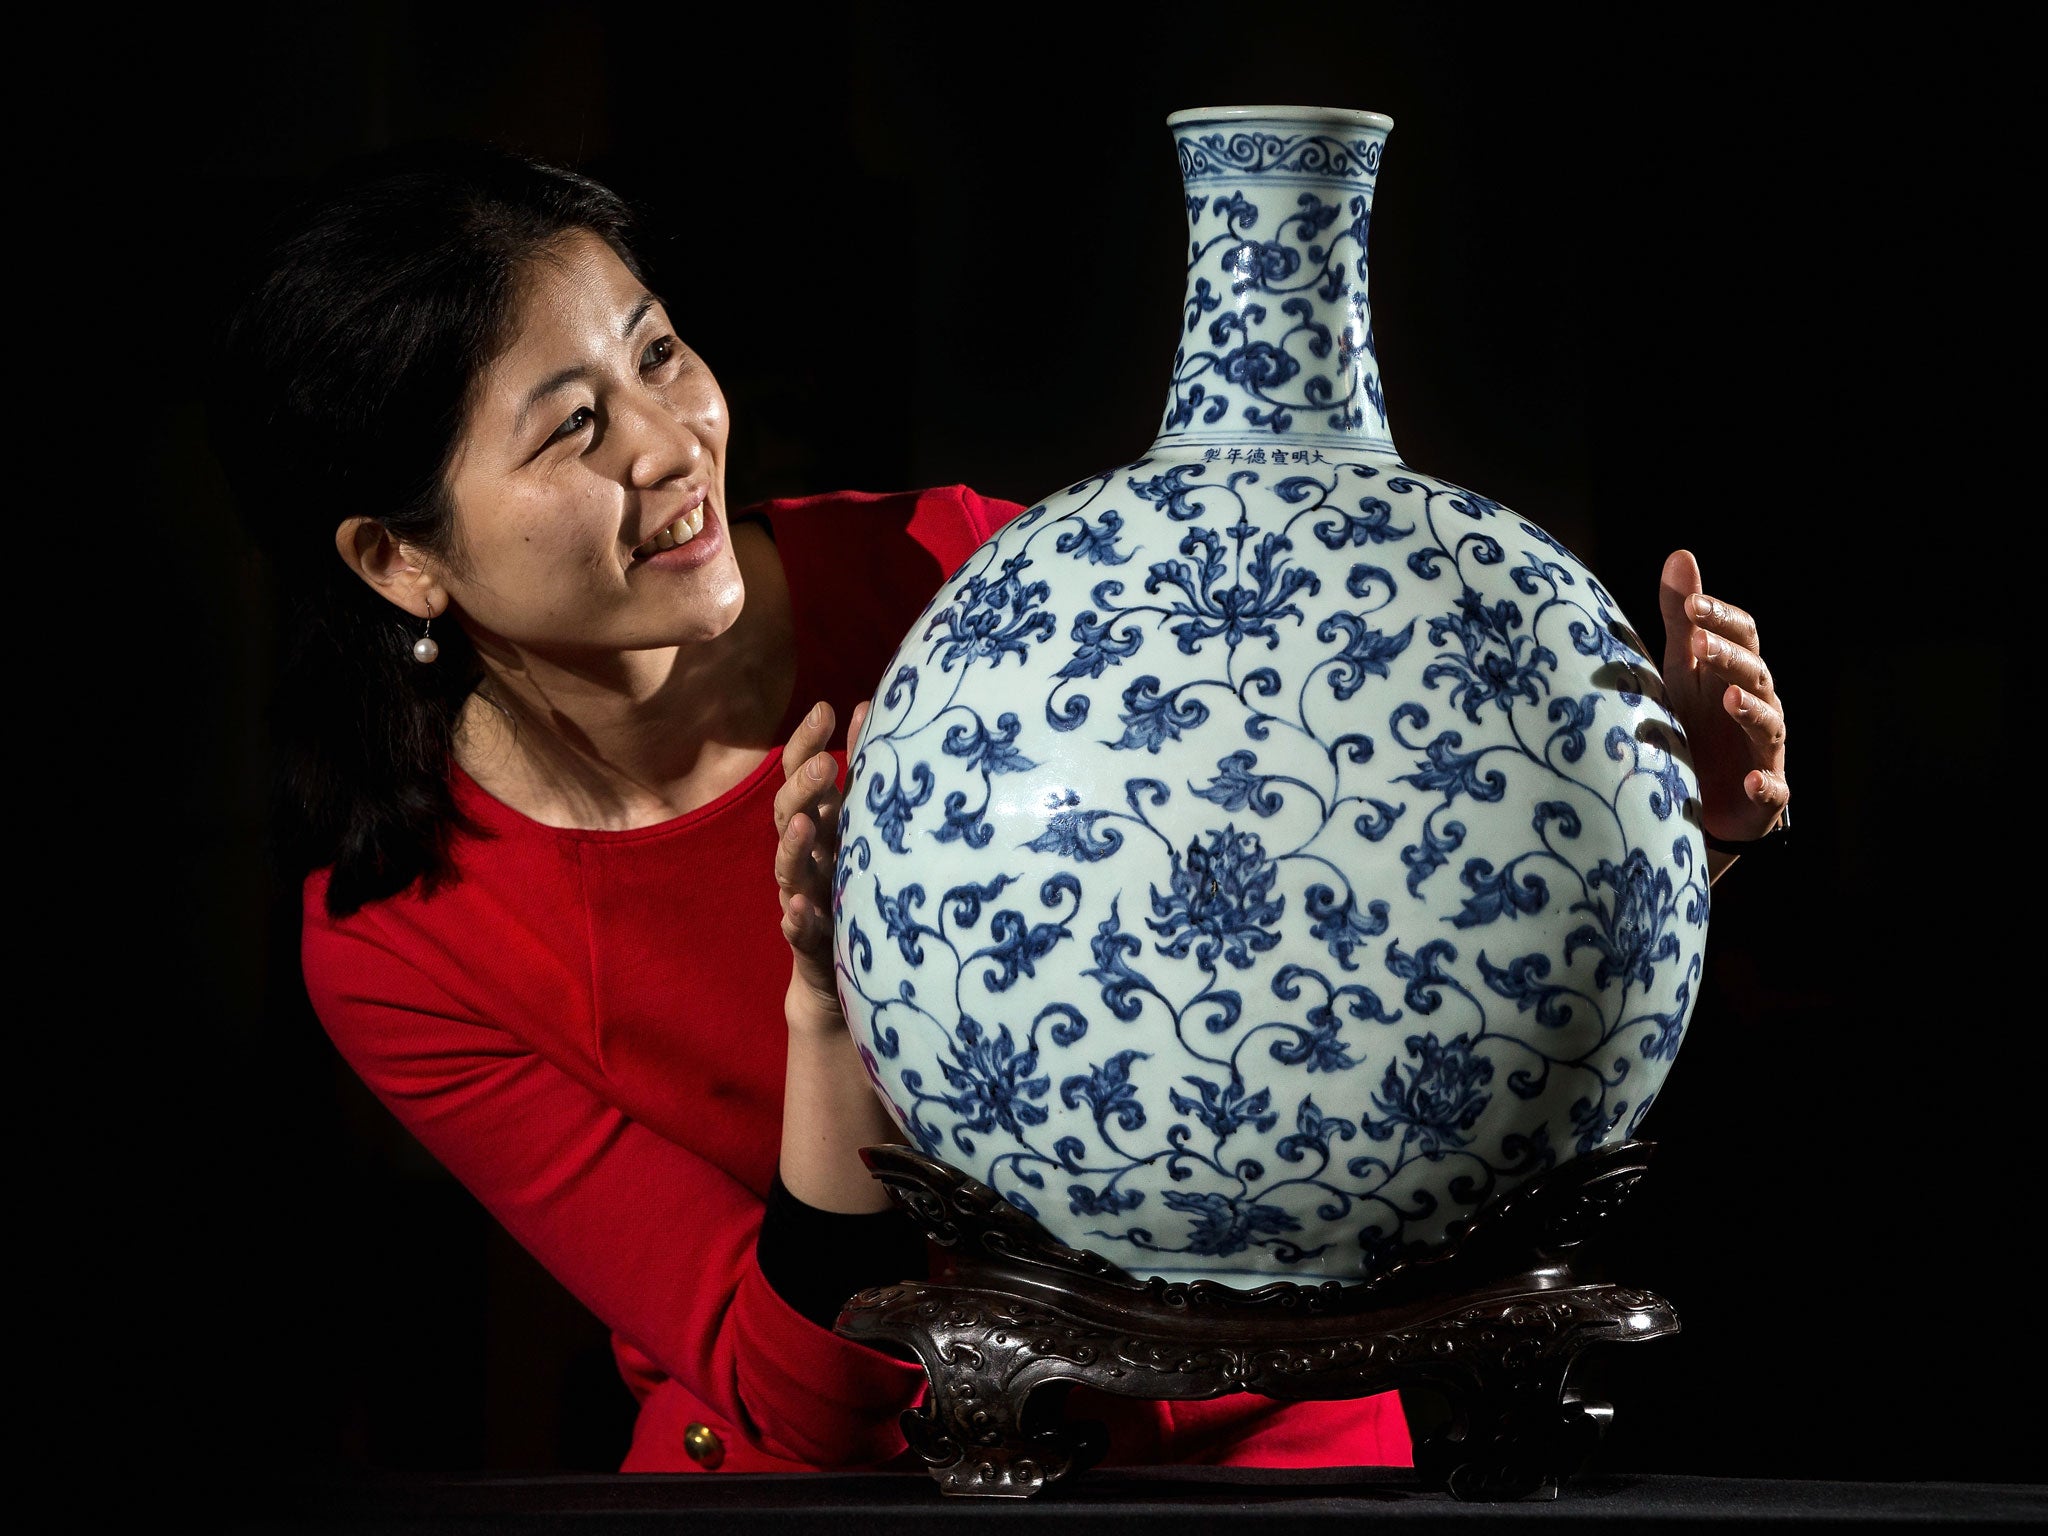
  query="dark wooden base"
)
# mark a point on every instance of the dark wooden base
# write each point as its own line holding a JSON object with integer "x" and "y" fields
{"x": 1489, "y": 1328}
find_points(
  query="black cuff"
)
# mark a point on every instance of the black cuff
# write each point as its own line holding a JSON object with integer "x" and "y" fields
{"x": 1777, "y": 835}
{"x": 815, "y": 1260}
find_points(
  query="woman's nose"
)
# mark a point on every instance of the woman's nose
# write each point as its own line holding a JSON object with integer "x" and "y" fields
{"x": 660, "y": 444}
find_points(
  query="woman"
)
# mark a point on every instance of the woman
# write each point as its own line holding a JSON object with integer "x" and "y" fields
{"x": 552, "y": 700}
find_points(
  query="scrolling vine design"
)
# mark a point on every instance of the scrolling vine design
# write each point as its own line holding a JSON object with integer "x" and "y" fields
{"x": 1277, "y": 331}
{"x": 1322, "y": 871}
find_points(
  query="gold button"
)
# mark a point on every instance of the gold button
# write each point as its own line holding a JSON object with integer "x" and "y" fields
{"x": 704, "y": 1446}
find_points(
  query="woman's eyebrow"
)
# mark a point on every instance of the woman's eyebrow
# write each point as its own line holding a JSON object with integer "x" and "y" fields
{"x": 546, "y": 387}
{"x": 570, "y": 375}
{"x": 636, "y": 314}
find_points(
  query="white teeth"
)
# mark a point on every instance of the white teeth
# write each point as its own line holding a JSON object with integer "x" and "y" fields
{"x": 681, "y": 531}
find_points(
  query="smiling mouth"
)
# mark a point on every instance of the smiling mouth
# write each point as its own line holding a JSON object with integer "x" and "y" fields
{"x": 681, "y": 531}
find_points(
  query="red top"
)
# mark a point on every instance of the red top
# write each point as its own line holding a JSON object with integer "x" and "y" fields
{"x": 586, "y": 1028}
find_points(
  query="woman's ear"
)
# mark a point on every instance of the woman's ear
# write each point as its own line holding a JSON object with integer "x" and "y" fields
{"x": 367, "y": 547}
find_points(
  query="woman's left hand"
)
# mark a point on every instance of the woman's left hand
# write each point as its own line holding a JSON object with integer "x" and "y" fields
{"x": 1726, "y": 700}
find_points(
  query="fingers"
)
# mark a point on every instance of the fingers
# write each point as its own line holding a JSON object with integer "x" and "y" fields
{"x": 809, "y": 738}
{"x": 808, "y": 770}
{"x": 806, "y": 825}
{"x": 1724, "y": 619}
{"x": 806, "y": 927}
{"x": 803, "y": 882}
{"x": 796, "y": 857}
{"x": 1765, "y": 786}
{"x": 807, "y": 930}
{"x": 1762, "y": 722}
{"x": 1719, "y": 636}
{"x": 1709, "y": 640}
{"x": 1734, "y": 663}
{"x": 1768, "y": 789}
{"x": 1708, "y": 630}
{"x": 809, "y": 790}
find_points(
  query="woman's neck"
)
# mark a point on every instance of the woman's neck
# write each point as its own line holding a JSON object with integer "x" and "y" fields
{"x": 647, "y": 736}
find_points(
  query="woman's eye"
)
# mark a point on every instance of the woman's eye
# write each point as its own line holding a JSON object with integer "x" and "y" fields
{"x": 659, "y": 351}
{"x": 572, "y": 424}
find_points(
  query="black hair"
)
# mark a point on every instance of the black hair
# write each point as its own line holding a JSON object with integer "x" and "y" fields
{"x": 342, "y": 386}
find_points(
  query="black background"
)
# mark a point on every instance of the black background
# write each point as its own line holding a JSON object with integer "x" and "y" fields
{"x": 1699, "y": 280}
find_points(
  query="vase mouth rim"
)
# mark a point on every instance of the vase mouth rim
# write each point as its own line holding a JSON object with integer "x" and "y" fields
{"x": 1349, "y": 116}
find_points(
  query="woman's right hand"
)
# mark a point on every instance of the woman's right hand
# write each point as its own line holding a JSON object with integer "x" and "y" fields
{"x": 829, "y": 1108}
{"x": 807, "y": 847}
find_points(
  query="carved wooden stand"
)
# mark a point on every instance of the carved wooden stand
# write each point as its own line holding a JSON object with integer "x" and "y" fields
{"x": 1011, "y": 1319}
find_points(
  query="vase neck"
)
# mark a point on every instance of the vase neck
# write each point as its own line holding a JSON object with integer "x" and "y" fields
{"x": 1276, "y": 341}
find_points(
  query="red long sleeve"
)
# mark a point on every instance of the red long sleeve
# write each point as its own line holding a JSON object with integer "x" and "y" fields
{"x": 653, "y": 1238}
{"x": 586, "y": 1028}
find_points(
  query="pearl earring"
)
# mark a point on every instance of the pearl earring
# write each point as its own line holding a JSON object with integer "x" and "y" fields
{"x": 426, "y": 649}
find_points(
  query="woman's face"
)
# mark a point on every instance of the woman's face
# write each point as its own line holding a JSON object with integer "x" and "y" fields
{"x": 589, "y": 480}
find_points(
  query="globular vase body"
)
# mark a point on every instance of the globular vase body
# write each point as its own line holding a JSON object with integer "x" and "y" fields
{"x": 1263, "y": 854}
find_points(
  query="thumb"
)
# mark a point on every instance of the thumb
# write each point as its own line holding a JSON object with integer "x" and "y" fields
{"x": 1680, "y": 580}
{"x": 854, "y": 728}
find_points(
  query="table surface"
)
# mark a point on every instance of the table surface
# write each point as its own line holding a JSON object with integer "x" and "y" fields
{"x": 1179, "y": 1501}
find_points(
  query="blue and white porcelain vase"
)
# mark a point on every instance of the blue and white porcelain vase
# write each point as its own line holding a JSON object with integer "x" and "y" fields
{"x": 1263, "y": 854}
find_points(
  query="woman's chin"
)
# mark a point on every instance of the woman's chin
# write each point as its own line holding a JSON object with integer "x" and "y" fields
{"x": 697, "y": 613}
{"x": 713, "y": 619}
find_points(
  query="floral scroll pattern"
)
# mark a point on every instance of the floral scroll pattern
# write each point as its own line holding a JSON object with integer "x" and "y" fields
{"x": 1262, "y": 855}
{"x": 1263, "y": 900}
{"x": 1276, "y": 329}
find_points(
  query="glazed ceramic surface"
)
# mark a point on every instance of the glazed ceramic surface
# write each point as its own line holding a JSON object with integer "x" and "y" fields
{"x": 1263, "y": 853}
